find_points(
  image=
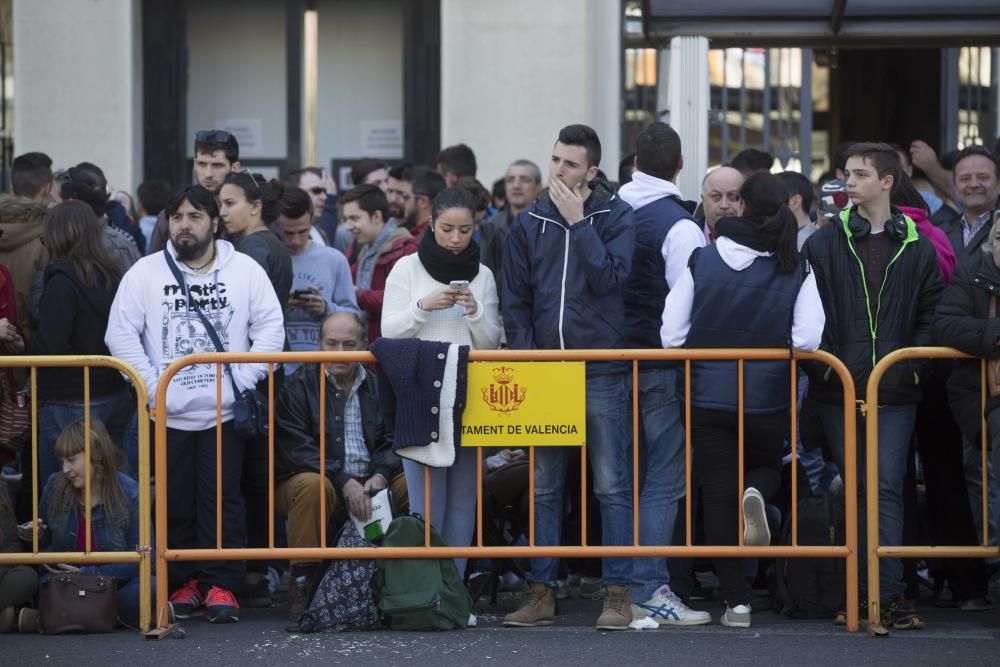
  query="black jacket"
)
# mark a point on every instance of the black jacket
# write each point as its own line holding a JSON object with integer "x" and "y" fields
{"x": 965, "y": 253}
{"x": 963, "y": 322}
{"x": 297, "y": 417}
{"x": 73, "y": 320}
{"x": 902, "y": 317}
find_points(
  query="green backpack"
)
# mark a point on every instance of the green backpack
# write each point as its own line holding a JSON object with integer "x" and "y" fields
{"x": 419, "y": 593}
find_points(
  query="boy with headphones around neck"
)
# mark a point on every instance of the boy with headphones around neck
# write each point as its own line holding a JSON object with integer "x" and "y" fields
{"x": 879, "y": 283}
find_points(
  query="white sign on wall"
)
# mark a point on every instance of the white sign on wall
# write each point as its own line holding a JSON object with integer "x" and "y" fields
{"x": 249, "y": 132}
{"x": 382, "y": 138}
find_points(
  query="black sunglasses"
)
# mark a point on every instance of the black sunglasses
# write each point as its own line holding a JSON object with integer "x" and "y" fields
{"x": 318, "y": 190}
{"x": 220, "y": 136}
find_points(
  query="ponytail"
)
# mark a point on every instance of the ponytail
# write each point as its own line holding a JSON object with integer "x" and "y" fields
{"x": 765, "y": 197}
{"x": 786, "y": 247}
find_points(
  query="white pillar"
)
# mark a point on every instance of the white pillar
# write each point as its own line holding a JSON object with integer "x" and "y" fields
{"x": 688, "y": 105}
{"x": 514, "y": 73}
{"x": 78, "y": 84}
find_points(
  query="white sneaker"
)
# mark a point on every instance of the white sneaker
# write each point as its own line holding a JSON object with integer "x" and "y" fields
{"x": 667, "y": 609}
{"x": 755, "y": 530}
{"x": 736, "y": 617}
{"x": 473, "y": 621}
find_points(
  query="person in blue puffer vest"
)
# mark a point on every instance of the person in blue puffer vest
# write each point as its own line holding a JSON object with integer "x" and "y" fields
{"x": 564, "y": 270}
{"x": 751, "y": 289}
{"x": 665, "y": 237}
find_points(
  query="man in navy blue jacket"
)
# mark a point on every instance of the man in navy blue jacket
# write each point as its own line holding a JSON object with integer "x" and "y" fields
{"x": 665, "y": 236}
{"x": 564, "y": 268}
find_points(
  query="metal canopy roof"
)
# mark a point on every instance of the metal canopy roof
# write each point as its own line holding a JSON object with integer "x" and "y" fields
{"x": 819, "y": 23}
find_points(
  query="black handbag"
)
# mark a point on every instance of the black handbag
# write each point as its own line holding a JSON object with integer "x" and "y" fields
{"x": 249, "y": 405}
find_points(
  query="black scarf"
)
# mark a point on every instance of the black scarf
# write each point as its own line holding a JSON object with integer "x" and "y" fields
{"x": 762, "y": 238}
{"x": 444, "y": 265}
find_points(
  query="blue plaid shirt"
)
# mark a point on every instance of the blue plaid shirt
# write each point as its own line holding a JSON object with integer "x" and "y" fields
{"x": 356, "y": 457}
{"x": 969, "y": 231}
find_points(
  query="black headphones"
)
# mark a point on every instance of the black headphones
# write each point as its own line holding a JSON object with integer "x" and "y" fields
{"x": 896, "y": 228}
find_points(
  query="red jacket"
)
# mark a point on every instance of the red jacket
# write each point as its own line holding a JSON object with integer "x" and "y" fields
{"x": 399, "y": 244}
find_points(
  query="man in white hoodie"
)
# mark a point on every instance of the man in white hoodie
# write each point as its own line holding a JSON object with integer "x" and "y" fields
{"x": 152, "y": 324}
{"x": 665, "y": 236}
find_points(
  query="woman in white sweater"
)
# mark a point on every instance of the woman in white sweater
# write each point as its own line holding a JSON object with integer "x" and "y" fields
{"x": 443, "y": 293}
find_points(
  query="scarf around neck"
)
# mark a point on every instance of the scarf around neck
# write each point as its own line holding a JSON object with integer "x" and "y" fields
{"x": 445, "y": 266}
{"x": 366, "y": 269}
{"x": 762, "y": 238}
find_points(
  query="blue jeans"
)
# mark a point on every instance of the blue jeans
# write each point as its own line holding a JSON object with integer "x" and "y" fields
{"x": 453, "y": 498}
{"x": 972, "y": 460}
{"x": 608, "y": 446}
{"x": 895, "y": 430}
{"x": 117, "y": 411}
{"x": 662, "y": 481}
{"x": 128, "y": 600}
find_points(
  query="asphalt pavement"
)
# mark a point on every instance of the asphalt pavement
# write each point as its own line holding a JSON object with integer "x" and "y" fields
{"x": 950, "y": 638}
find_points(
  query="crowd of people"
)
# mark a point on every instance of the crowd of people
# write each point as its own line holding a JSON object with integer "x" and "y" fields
{"x": 893, "y": 248}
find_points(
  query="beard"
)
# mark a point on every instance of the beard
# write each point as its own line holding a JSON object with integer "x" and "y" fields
{"x": 412, "y": 218}
{"x": 191, "y": 249}
{"x": 396, "y": 211}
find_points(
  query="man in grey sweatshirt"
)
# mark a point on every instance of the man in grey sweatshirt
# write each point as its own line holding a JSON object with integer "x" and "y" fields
{"x": 321, "y": 283}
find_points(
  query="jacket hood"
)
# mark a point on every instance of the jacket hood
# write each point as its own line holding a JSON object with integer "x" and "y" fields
{"x": 918, "y": 215}
{"x": 600, "y": 200}
{"x": 99, "y": 298}
{"x": 737, "y": 256}
{"x": 224, "y": 249}
{"x": 395, "y": 235}
{"x": 644, "y": 189}
{"x": 20, "y": 221}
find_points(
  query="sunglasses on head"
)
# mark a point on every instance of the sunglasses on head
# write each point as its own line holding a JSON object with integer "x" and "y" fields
{"x": 219, "y": 136}
{"x": 246, "y": 172}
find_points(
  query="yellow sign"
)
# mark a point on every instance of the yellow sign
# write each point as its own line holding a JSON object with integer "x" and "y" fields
{"x": 520, "y": 404}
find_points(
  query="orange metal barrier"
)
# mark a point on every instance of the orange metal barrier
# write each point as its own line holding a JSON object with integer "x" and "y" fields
{"x": 141, "y": 554}
{"x": 877, "y": 551}
{"x": 848, "y": 551}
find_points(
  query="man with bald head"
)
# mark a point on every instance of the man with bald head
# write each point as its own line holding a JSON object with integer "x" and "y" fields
{"x": 359, "y": 456}
{"x": 720, "y": 197}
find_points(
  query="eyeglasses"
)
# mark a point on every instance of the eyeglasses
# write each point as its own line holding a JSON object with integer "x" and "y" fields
{"x": 220, "y": 136}
{"x": 318, "y": 190}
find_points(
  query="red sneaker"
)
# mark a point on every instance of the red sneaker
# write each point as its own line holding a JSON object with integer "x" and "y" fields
{"x": 221, "y": 606}
{"x": 186, "y": 599}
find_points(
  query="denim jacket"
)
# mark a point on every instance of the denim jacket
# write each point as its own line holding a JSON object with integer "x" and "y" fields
{"x": 119, "y": 533}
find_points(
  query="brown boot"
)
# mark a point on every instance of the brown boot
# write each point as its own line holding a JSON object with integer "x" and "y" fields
{"x": 537, "y": 608}
{"x": 27, "y": 620}
{"x": 298, "y": 591}
{"x": 617, "y": 612}
{"x": 7, "y": 622}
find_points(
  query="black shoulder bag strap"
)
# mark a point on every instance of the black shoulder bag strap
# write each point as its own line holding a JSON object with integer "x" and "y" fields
{"x": 209, "y": 329}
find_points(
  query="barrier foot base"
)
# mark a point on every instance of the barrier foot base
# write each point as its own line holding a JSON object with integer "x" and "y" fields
{"x": 876, "y": 630}
{"x": 171, "y": 630}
